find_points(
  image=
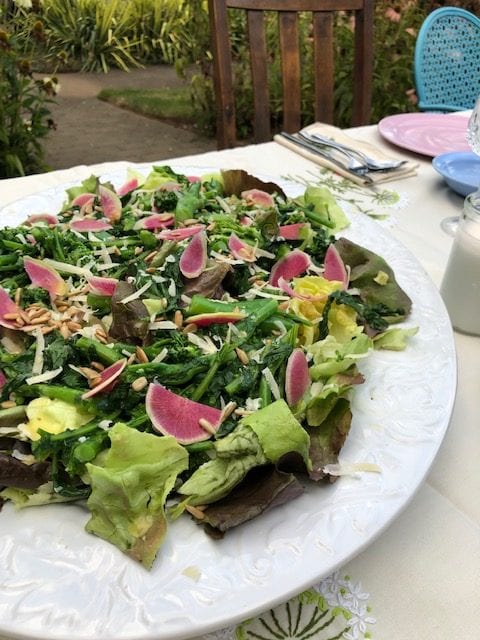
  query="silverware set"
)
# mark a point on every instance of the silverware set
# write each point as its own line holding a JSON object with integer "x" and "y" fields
{"x": 341, "y": 155}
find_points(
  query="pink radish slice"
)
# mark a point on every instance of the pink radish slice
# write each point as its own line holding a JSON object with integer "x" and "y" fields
{"x": 45, "y": 277}
{"x": 256, "y": 196}
{"x": 83, "y": 199}
{"x": 108, "y": 376}
{"x": 193, "y": 179}
{"x": 174, "y": 415}
{"x": 290, "y": 266}
{"x": 3, "y": 380}
{"x": 291, "y": 231}
{"x": 90, "y": 224}
{"x": 156, "y": 221}
{"x": 297, "y": 377}
{"x": 194, "y": 257}
{"x": 286, "y": 288}
{"x": 180, "y": 234}
{"x": 241, "y": 250}
{"x": 7, "y": 305}
{"x": 246, "y": 221}
{"x": 41, "y": 217}
{"x": 206, "y": 319}
{"x": 110, "y": 202}
{"x": 170, "y": 186}
{"x": 126, "y": 187}
{"x": 102, "y": 286}
{"x": 335, "y": 267}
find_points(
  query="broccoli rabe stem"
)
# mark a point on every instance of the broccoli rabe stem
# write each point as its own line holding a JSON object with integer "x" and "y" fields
{"x": 106, "y": 355}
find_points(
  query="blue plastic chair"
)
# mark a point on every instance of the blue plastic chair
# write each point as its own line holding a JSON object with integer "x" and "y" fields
{"x": 447, "y": 60}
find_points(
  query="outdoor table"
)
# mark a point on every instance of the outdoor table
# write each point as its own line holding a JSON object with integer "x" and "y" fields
{"x": 420, "y": 578}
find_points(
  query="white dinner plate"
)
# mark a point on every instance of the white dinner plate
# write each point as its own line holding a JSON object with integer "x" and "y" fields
{"x": 427, "y": 133}
{"x": 59, "y": 582}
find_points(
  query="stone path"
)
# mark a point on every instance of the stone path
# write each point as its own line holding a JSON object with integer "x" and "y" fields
{"x": 91, "y": 131}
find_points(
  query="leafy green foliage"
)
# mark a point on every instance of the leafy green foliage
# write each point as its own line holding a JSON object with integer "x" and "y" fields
{"x": 24, "y": 110}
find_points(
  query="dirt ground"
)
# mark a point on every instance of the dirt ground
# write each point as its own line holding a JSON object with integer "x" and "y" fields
{"x": 90, "y": 130}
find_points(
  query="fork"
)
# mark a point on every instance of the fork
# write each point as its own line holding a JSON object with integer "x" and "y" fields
{"x": 370, "y": 163}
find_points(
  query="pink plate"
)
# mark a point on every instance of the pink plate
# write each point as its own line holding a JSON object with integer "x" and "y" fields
{"x": 427, "y": 133}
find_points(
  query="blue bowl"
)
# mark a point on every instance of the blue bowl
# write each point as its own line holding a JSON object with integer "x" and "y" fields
{"x": 460, "y": 169}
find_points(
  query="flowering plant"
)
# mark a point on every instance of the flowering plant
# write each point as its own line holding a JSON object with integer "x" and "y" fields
{"x": 24, "y": 111}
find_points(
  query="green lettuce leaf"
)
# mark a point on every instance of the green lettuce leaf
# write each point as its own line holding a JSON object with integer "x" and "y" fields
{"x": 365, "y": 268}
{"x": 264, "y": 436}
{"x": 237, "y": 453}
{"x": 325, "y": 205}
{"x": 130, "y": 483}
{"x": 331, "y": 357}
{"x": 278, "y": 431}
{"x": 394, "y": 339}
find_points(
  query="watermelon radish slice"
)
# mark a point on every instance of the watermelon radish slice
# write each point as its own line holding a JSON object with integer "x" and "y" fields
{"x": 110, "y": 202}
{"x": 258, "y": 197}
{"x": 193, "y": 179}
{"x": 7, "y": 305}
{"x": 102, "y": 286}
{"x": 3, "y": 380}
{"x": 291, "y": 231}
{"x": 90, "y": 224}
{"x": 156, "y": 221}
{"x": 41, "y": 217}
{"x": 297, "y": 377}
{"x": 170, "y": 186}
{"x": 180, "y": 234}
{"x": 45, "y": 277}
{"x": 194, "y": 257}
{"x": 109, "y": 377}
{"x": 290, "y": 266}
{"x": 286, "y": 288}
{"x": 174, "y": 415}
{"x": 334, "y": 267}
{"x": 83, "y": 200}
{"x": 206, "y": 319}
{"x": 241, "y": 250}
{"x": 128, "y": 186}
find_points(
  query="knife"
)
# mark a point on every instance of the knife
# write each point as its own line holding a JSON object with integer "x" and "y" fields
{"x": 358, "y": 173}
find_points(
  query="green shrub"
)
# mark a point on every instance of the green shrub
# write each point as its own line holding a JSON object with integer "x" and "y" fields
{"x": 24, "y": 112}
{"x": 88, "y": 34}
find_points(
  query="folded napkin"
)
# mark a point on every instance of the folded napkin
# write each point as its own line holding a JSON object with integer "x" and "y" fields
{"x": 372, "y": 177}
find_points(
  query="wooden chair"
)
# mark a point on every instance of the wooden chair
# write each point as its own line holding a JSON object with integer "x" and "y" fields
{"x": 323, "y": 13}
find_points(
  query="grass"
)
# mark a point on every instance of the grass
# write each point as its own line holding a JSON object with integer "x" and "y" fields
{"x": 173, "y": 105}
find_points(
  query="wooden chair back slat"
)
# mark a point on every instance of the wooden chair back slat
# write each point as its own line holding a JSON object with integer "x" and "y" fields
{"x": 291, "y": 81}
{"x": 258, "y": 62}
{"x": 323, "y": 66}
{"x": 323, "y": 17}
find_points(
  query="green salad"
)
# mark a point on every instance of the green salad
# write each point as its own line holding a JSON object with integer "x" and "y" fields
{"x": 183, "y": 344}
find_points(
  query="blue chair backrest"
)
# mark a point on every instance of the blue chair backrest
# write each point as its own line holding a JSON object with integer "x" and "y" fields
{"x": 447, "y": 60}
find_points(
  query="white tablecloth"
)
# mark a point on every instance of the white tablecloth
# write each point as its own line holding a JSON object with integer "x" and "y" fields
{"x": 423, "y": 572}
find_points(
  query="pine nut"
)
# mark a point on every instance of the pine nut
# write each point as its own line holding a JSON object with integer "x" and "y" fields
{"x": 207, "y": 426}
{"x": 139, "y": 383}
{"x": 141, "y": 355}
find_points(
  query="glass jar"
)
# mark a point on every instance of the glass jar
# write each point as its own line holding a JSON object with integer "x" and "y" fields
{"x": 460, "y": 288}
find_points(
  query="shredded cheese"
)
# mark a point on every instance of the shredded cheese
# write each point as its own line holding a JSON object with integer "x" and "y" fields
{"x": 136, "y": 294}
{"x": 44, "y": 377}
{"x": 205, "y": 344}
{"x": 37, "y": 367}
{"x": 268, "y": 375}
{"x": 162, "y": 324}
{"x": 350, "y": 468}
